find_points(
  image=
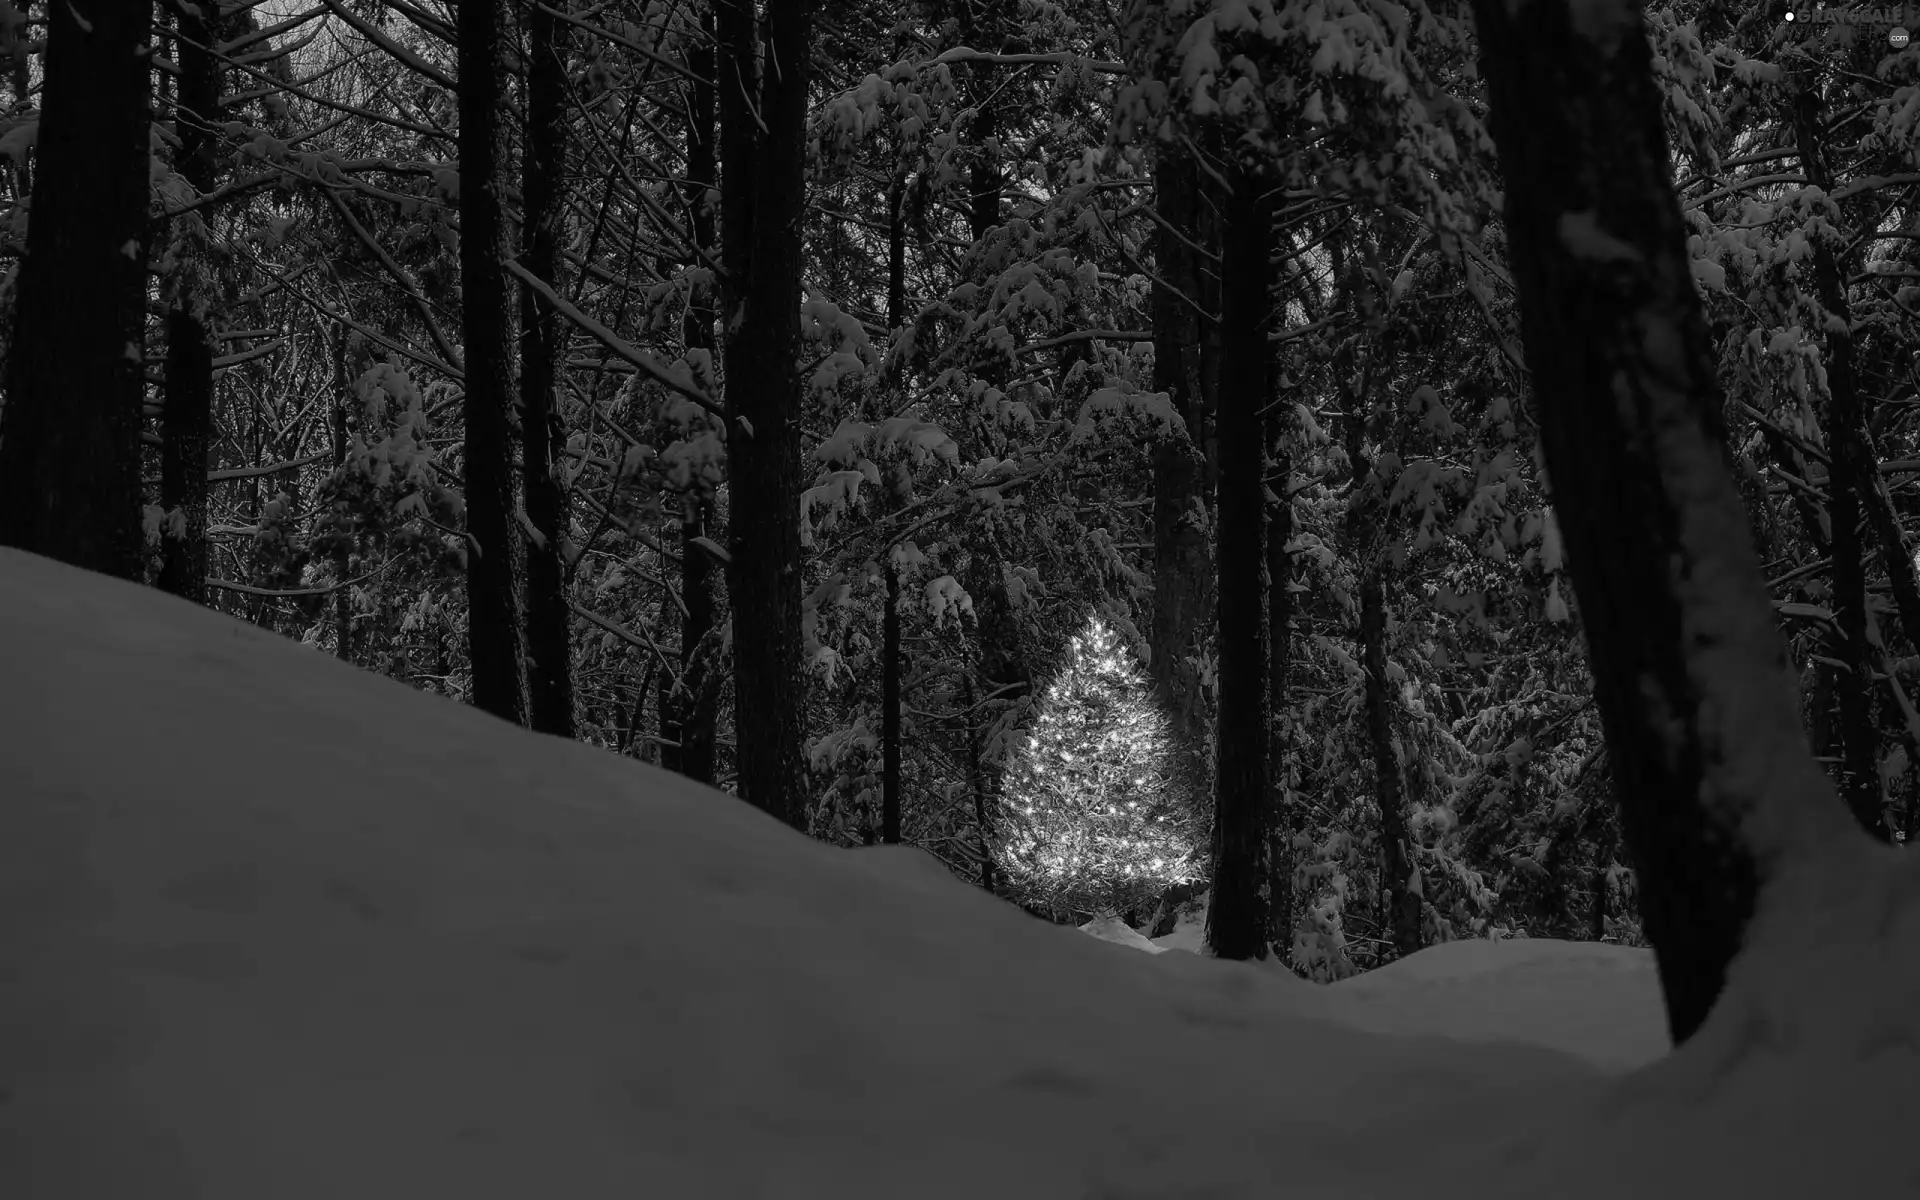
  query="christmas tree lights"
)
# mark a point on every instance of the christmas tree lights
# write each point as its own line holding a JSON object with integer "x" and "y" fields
{"x": 1093, "y": 820}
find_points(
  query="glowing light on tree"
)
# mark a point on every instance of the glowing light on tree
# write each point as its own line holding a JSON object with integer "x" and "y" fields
{"x": 1093, "y": 820}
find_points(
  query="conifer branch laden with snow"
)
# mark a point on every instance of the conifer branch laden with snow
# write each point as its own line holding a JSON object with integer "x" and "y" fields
{"x": 1094, "y": 819}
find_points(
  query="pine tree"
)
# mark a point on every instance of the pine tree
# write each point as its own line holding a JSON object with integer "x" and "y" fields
{"x": 1095, "y": 817}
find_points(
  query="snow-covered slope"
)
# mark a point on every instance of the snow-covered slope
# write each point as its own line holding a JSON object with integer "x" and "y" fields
{"x": 1599, "y": 1002}
{"x": 273, "y": 928}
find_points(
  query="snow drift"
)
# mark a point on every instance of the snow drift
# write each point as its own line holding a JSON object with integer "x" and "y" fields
{"x": 277, "y": 928}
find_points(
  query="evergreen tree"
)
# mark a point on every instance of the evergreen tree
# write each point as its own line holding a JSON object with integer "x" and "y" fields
{"x": 1095, "y": 818}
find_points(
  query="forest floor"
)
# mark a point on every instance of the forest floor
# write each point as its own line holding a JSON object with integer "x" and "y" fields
{"x": 273, "y": 927}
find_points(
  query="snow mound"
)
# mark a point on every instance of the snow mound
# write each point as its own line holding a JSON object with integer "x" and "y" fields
{"x": 1113, "y": 929}
{"x": 276, "y": 927}
{"x": 272, "y": 927}
{"x": 1589, "y": 999}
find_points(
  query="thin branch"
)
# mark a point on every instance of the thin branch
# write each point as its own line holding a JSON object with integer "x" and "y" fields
{"x": 647, "y": 363}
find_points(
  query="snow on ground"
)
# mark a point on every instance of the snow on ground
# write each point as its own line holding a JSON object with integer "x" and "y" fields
{"x": 1596, "y": 1001}
{"x": 1117, "y": 931}
{"x": 272, "y": 927}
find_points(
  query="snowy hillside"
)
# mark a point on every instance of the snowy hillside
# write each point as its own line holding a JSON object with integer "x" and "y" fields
{"x": 276, "y": 928}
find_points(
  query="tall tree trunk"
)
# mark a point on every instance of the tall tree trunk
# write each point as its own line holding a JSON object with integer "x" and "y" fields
{"x": 542, "y": 345}
{"x": 70, "y": 431}
{"x": 977, "y": 785}
{"x": 1279, "y": 647}
{"x": 343, "y": 553}
{"x": 1717, "y": 792}
{"x": 693, "y": 701}
{"x": 890, "y": 661}
{"x": 186, "y": 412}
{"x": 1851, "y": 475}
{"x": 1602, "y": 873}
{"x": 1402, "y": 895}
{"x": 1182, "y": 554}
{"x": 493, "y": 536}
{"x": 983, "y": 29}
{"x": 890, "y": 711}
{"x": 763, "y": 203}
{"x": 1238, "y": 920}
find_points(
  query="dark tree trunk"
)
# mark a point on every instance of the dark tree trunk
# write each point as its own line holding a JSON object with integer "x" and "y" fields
{"x": 1851, "y": 474}
{"x": 493, "y": 537}
{"x": 187, "y": 396}
{"x": 1182, "y": 553}
{"x": 343, "y": 555}
{"x": 186, "y": 419}
{"x": 890, "y": 662}
{"x": 1715, "y": 786}
{"x": 890, "y": 712}
{"x": 630, "y": 736}
{"x": 1855, "y": 464}
{"x": 693, "y": 702}
{"x": 700, "y": 677}
{"x": 763, "y": 202}
{"x": 985, "y": 179}
{"x": 1279, "y": 649}
{"x": 1910, "y": 822}
{"x": 542, "y": 345}
{"x": 1402, "y": 897}
{"x": 1813, "y": 517}
{"x": 1602, "y": 871}
{"x": 1238, "y": 920}
{"x": 897, "y": 250}
{"x": 977, "y": 784}
{"x": 70, "y": 431}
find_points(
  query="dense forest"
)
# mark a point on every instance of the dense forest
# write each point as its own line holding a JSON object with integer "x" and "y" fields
{"x": 834, "y": 402}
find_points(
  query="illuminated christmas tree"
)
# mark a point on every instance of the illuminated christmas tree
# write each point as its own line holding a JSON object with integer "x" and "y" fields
{"x": 1093, "y": 820}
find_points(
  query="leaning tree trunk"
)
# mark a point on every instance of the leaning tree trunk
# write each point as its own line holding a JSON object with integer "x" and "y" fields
{"x": 1238, "y": 921}
{"x": 186, "y": 412}
{"x": 1717, "y": 792}
{"x": 493, "y": 595}
{"x": 763, "y": 146}
{"x": 542, "y": 341}
{"x": 70, "y": 431}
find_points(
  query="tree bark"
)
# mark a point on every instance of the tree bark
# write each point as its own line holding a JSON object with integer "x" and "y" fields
{"x": 70, "y": 431}
{"x": 343, "y": 554}
{"x": 1238, "y": 920}
{"x": 186, "y": 414}
{"x": 890, "y": 712}
{"x": 690, "y": 710}
{"x": 1717, "y": 791}
{"x": 1183, "y": 581}
{"x": 1279, "y": 650}
{"x": 763, "y": 203}
{"x": 542, "y": 346}
{"x": 986, "y": 181}
{"x": 977, "y": 784}
{"x": 890, "y": 664}
{"x": 1402, "y": 897}
{"x": 1851, "y": 474}
{"x": 493, "y": 537}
